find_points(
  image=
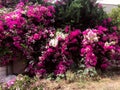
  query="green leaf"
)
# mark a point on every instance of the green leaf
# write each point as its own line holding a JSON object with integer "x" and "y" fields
{"x": 23, "y": 45}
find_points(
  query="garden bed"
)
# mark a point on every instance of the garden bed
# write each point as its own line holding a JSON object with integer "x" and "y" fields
{"x": 67, "y": 42}
{"x": 110, "y": 80}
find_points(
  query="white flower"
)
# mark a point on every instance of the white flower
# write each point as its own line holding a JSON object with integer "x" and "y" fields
{"x": 53, "y": 42}
{"x": 96, "y": 39}
{"x": 107, "y": 44}
{"x": 60, "y": 35}
{"x": 110, "y": 43}
{"x": 92, "y": 36}
{"x": 24, "y": 12}
{"x": 15, "y": 16}
{"x": 113, "y": 43}
{"x": 46, "y": 31}
{"x": 51, "y": 35}
{"x": 7, "y": 17}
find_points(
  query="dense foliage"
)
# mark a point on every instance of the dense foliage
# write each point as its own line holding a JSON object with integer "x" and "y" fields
{"x": 79, "y": 14}
{"x": 54, "y": 38}
{"x": 115, "y": 15}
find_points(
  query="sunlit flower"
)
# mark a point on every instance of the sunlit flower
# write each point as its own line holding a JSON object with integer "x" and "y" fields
{"x": 60, "y": 35}
{"x": 92, "y": 36}
{"x": 53, "y": 42}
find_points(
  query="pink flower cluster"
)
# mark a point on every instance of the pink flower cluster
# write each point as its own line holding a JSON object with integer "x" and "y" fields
{"x": 14, "y": 20}
{"x": 59, "y": 58}
{"x": 10, "y": 83}
{"x": 1, "y": 31}
{"x": 98, "y": 47}
{"x": 21, "y": 30}
{"x": 41, "y": 14}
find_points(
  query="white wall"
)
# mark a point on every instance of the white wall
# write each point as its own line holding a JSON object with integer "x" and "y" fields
{"x": 114, "y": 2}
{"x": 109, "y": 4}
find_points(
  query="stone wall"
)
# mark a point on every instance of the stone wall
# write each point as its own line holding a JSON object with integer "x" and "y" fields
{"x": 16, "y": 67}
{"x": 2, "y": 73}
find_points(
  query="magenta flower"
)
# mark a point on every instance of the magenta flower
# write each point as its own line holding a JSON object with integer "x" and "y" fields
{"x": 100, "y": 5}
{"x": 20, "y": 5}
{"x": 36, "y": 36}
{"x": 1, "y": 6}
{"x": 104, "y": 66}
{"x": 109, "y": 19}
{"x": 14, "y": 19}
{"x": 50, "y": 50}
{"x": 67, "y": 29}
{"x": 61, "y": 69}
{"x": 17, "y": 44}
{"x": 16, "y": 38}
{"x": 91, "y": 60}
{"x": 40, "y": 72}
{"x": 108, "y": 47}
{"x": 1, "y": 26}
{"x": 10, "y": 82}
{"x": 114, "y": 28}
{"x": 74, "y": 34}
{"x": 102, "y": 29}
{"x": 24, "y": 1}
{"x": 87, "y": 49}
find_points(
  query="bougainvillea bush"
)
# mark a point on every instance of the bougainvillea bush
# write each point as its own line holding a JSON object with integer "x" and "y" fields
{"x": 30, "y": 30}
{"x": 22, "y": 28}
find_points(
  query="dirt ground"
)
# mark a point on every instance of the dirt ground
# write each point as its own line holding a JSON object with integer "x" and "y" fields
{"x": 109, "y": 81}
{"x": 103, "y": 84}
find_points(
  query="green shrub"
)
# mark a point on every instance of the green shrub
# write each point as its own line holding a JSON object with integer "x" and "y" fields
{"x": 21, "y": 83}
{"x": 79, "y": 14}
{"x": 115, "y": 15}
